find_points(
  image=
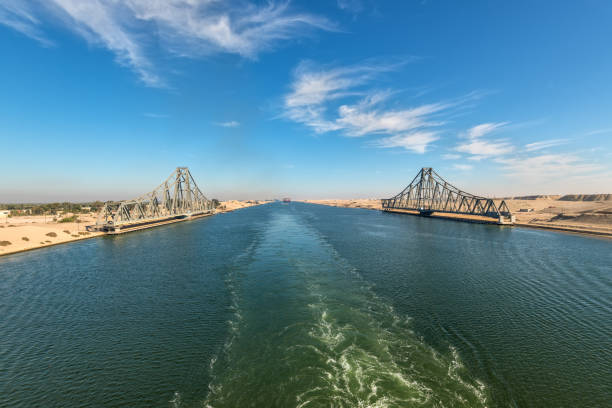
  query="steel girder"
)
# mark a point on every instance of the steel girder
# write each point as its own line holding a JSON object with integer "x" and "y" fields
{"x": 177, "y": 196}
{"x": 428, "y": 193}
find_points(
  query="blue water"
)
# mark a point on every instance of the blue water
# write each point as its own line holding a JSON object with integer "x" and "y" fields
{"x": 297, "y": 305}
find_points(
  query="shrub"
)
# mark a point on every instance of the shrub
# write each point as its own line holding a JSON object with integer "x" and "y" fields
{"x": 51, "y": 234}
{"x": 83, "y": 233}
{"x": 48, "y": 242}
{"x": 25, "y": 238}
{"x": 67, "y": 232}
{"x": 42, "y": 243}
{"x": 74, "y": 235}
{"x": 5, "y": 243}
{"x": 69, "y": 219}
{"x": 11, "y": 225}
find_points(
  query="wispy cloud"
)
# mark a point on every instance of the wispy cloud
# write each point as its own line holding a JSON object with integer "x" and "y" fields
{"x": 598, "y": 132}
{"x": 451, "y": 156}
{"x": 554, "y": 166}
{"x": 155, "y": 115}
{"x": 483, "y": 129}
{"x": 544, "y": 144}
{"x": 230, "y": 124}
{"x": 353, "y": 6}
{"x": 528, "y": 165}
{"x": 463, "y": 167}
{"x": 342, "y": 99}
{"x": 480, "y": 148}
{"x": 192, "y": 28}
{"x": 18, "y": 15}
{"x": 417, "y": 141}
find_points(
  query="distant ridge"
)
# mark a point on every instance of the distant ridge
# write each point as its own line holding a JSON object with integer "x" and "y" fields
{"x": 586, "y": 197}
{"x": 537, "y": 197}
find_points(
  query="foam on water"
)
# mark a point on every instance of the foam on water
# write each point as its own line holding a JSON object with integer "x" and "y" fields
{"x": 315, "y": 334}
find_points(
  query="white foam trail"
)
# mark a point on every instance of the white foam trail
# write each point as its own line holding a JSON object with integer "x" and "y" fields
{"x": 353, "y": 351}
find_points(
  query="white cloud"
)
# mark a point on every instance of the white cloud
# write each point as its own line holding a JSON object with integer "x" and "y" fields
{"x": 155, "y": 115}
{"x": 230, "y": 124}
{"x": 360, "y": 120}
{"x": 416, "y": 141}
{"x": 313, "y": 86}
{"x": 187, "y": 28}
{"x": 353, "y": 6}
{"x": 18, "y": 15}
{"x": 553, "y": 166}
{"x": 483, "y": 129}
{"x": 338, "y": 99}
{"x": 598, "y": 132}
{"x": 544, "y": 144}
{"x": 463, "y": 167}
{"x": 480, "y": 148}
{"x": 451, "y": 156}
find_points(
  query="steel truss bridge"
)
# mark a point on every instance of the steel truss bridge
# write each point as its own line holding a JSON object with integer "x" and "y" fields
{"x": 176, "y": 198}
{"x": 429, "y": 193}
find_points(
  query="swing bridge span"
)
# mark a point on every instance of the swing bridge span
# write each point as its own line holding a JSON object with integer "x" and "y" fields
{"x": 430, "y": 195}
{"x": 178, "y": 198}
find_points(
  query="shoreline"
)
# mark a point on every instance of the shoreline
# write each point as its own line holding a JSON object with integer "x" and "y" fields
{"x": 52, "y": 244}
{"x": 576, "y": 231}
{"x": 234, "y": 205}
{"x": 554, "y": 228}
{"x": 12, "y": 231}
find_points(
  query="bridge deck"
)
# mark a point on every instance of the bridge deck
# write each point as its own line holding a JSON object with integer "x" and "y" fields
{"x": 479, "y": 219}
{"x": 128, "y": 227}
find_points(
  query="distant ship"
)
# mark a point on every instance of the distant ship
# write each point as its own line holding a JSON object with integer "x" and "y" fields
{"x": 286, "y": 200}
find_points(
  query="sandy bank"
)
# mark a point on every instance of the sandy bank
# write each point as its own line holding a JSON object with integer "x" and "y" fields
{"x": 25, "y": 233}
{"x": 583, "y": 216}
{"x": 19, "y": 234}
{"x": 233, "y": 205}
{"x": 369, "y": 203}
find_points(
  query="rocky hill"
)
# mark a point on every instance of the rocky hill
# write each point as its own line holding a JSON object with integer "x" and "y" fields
{"x": 586, "y": 197}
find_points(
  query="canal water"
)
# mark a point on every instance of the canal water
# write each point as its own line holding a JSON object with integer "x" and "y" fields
{"x": 298, "y": 305}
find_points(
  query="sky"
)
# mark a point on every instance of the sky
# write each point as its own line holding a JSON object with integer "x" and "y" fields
{"x": 103, "y": 99}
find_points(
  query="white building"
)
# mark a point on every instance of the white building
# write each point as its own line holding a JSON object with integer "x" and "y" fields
{"x": 4, "y": 214}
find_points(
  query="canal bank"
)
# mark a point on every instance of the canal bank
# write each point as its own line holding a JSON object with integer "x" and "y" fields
{"x": 374, "y": 204}
{"x": 20, "y": 234}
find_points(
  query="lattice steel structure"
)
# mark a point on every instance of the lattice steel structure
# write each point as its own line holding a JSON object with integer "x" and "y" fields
{"x": 177, "y": 197}
{"x": 429, "y": 193}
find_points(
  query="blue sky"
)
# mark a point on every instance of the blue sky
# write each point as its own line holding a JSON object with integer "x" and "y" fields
{"x": 314, "y": 99}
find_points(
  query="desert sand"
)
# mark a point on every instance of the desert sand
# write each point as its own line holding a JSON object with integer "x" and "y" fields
{"x": 369, "y": 203}
{"x": 232, "y": 205}
{"x": 29, "y": 232}
{"x": 590, "y": 214}
{"x": 575, "y": 213}
{"x": 23, "y": 233}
